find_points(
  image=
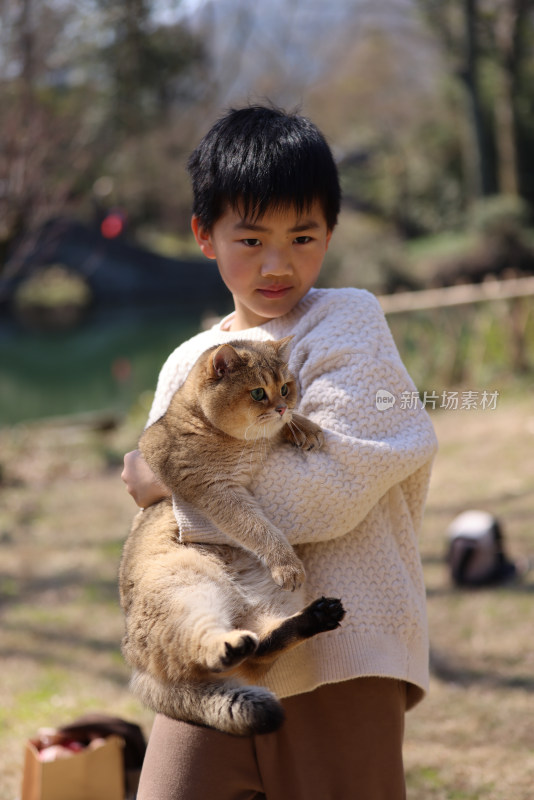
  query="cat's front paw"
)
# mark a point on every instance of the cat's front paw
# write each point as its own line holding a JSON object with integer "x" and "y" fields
{"x": 303, "y": 433}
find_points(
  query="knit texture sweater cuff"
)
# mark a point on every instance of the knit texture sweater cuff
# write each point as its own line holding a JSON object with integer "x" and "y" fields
{"x": 195, "y": 527}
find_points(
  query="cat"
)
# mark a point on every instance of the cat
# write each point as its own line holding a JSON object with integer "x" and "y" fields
{"x": 205, "y": 621}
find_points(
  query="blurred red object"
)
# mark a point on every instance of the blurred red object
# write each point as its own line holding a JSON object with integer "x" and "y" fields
{"x": 113, "y": 225}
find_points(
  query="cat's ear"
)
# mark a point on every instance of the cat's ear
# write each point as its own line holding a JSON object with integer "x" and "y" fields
{"x": 224, "y": 360}
{"x": 282, "y": 347}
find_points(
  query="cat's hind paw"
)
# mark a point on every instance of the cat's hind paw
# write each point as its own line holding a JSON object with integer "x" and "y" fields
{"x": 234, "y": 649}
{"x": 324, "y": 614}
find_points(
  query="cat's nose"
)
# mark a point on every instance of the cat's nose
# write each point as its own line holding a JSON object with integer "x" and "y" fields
{"x": 281, "y": 410}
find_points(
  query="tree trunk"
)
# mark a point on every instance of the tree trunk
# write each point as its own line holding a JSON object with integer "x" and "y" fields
{"x": 483, "y": 166}
{"x": 506, "y": 32}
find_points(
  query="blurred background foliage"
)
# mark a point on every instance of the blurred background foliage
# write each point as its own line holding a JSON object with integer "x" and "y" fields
{"x": 428, "y": 106}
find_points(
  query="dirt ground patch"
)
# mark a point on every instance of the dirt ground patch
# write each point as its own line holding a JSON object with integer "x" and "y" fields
{"x": 64, "y": 515}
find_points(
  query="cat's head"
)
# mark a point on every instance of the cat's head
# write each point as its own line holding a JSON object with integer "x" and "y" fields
{"x": 246, "y": 389}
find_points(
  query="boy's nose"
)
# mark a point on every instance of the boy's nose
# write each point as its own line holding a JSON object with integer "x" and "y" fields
{"x": 276, "y": 262}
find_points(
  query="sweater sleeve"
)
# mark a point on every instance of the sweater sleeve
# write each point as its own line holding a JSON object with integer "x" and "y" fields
{"x": 348, "y": 362}
{"x": 168, "y": 382}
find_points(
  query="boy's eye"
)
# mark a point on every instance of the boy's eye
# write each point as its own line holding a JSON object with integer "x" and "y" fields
{"x": 303, "y": 239}
{"x": 284, "y": 391}
{"x": 251, "y": 242}
{"x": 258, "y": 394}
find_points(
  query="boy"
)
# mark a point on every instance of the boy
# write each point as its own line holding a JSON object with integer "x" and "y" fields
{"x": 266, "y": 201}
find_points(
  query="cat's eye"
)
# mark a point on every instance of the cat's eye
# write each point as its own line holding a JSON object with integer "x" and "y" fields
{"x": 284, "y": 391}
{"x": 258, "y": 394}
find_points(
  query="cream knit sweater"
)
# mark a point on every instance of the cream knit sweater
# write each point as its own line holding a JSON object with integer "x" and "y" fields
{"x": 352, "y": 510}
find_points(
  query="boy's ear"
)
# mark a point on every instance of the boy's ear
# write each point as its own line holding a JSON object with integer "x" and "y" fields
{"x": 203, "y": 237}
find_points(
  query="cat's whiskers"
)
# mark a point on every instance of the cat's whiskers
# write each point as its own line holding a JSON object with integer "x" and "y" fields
{"x": 292, "y": 427}
{"x": 264, "y": 446}
{"x": 260, "y": 439}
{"x": 257, "y": 435}
{"x": 244, "y": 448}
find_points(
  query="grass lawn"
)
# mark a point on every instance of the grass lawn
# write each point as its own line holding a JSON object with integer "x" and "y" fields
{"x": 64, "y": 515}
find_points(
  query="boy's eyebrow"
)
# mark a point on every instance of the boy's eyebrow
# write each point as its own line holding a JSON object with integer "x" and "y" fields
{"x": 246, "y": 225}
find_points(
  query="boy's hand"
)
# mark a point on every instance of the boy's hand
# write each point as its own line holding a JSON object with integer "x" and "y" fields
{"x": 141, "y": 482}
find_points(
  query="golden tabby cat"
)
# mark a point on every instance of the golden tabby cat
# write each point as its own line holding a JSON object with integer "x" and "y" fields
{"x": 204, "y": 622}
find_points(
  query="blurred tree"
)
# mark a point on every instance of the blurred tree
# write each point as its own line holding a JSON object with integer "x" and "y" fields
{"x": 38, "y": 130}
{"x": 489, "y": 46}
{"x": 156, "y": 81}
{"x": 398, "y": 149}
{"x": 145, "y": 62}
{"x": 509, "y": 21}
{"x": 423, "y": 117}
{"x": 368, "y": 73}
{"x": 81, "y": 84}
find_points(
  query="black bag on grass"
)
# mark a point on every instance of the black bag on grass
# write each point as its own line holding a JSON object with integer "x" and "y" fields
{"x": 475, "y": 553}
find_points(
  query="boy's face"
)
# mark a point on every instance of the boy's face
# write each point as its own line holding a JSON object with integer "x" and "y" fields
{"x": 269, "y": 264}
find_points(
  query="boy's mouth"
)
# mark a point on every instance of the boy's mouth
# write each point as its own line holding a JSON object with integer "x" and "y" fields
{"x": 274, "y": 291}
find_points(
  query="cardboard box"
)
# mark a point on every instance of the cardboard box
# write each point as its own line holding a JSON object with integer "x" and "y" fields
{"x": 92, "y": 774}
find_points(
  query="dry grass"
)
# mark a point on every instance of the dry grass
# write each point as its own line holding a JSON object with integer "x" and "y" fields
{"x": 473, "y": 737}
{"x": 64, "y": 515}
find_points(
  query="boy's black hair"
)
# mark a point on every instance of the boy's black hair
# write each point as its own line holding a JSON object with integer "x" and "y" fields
{"x": 258, "y": 158}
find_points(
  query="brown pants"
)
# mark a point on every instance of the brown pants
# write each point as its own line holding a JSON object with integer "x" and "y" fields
{"x": 341, "y": 742}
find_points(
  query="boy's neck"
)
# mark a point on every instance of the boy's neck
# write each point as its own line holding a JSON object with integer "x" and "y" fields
{"x": 243, "y": 319}
{"x": 239, "y": 320}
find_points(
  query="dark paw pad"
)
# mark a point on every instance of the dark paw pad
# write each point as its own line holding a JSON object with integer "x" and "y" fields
{"x": 237, "y": 652}
{"x": 327, "y": 613}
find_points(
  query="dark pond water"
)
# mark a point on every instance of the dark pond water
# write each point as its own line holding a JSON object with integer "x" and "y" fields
{"x": 103, "y": 364}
